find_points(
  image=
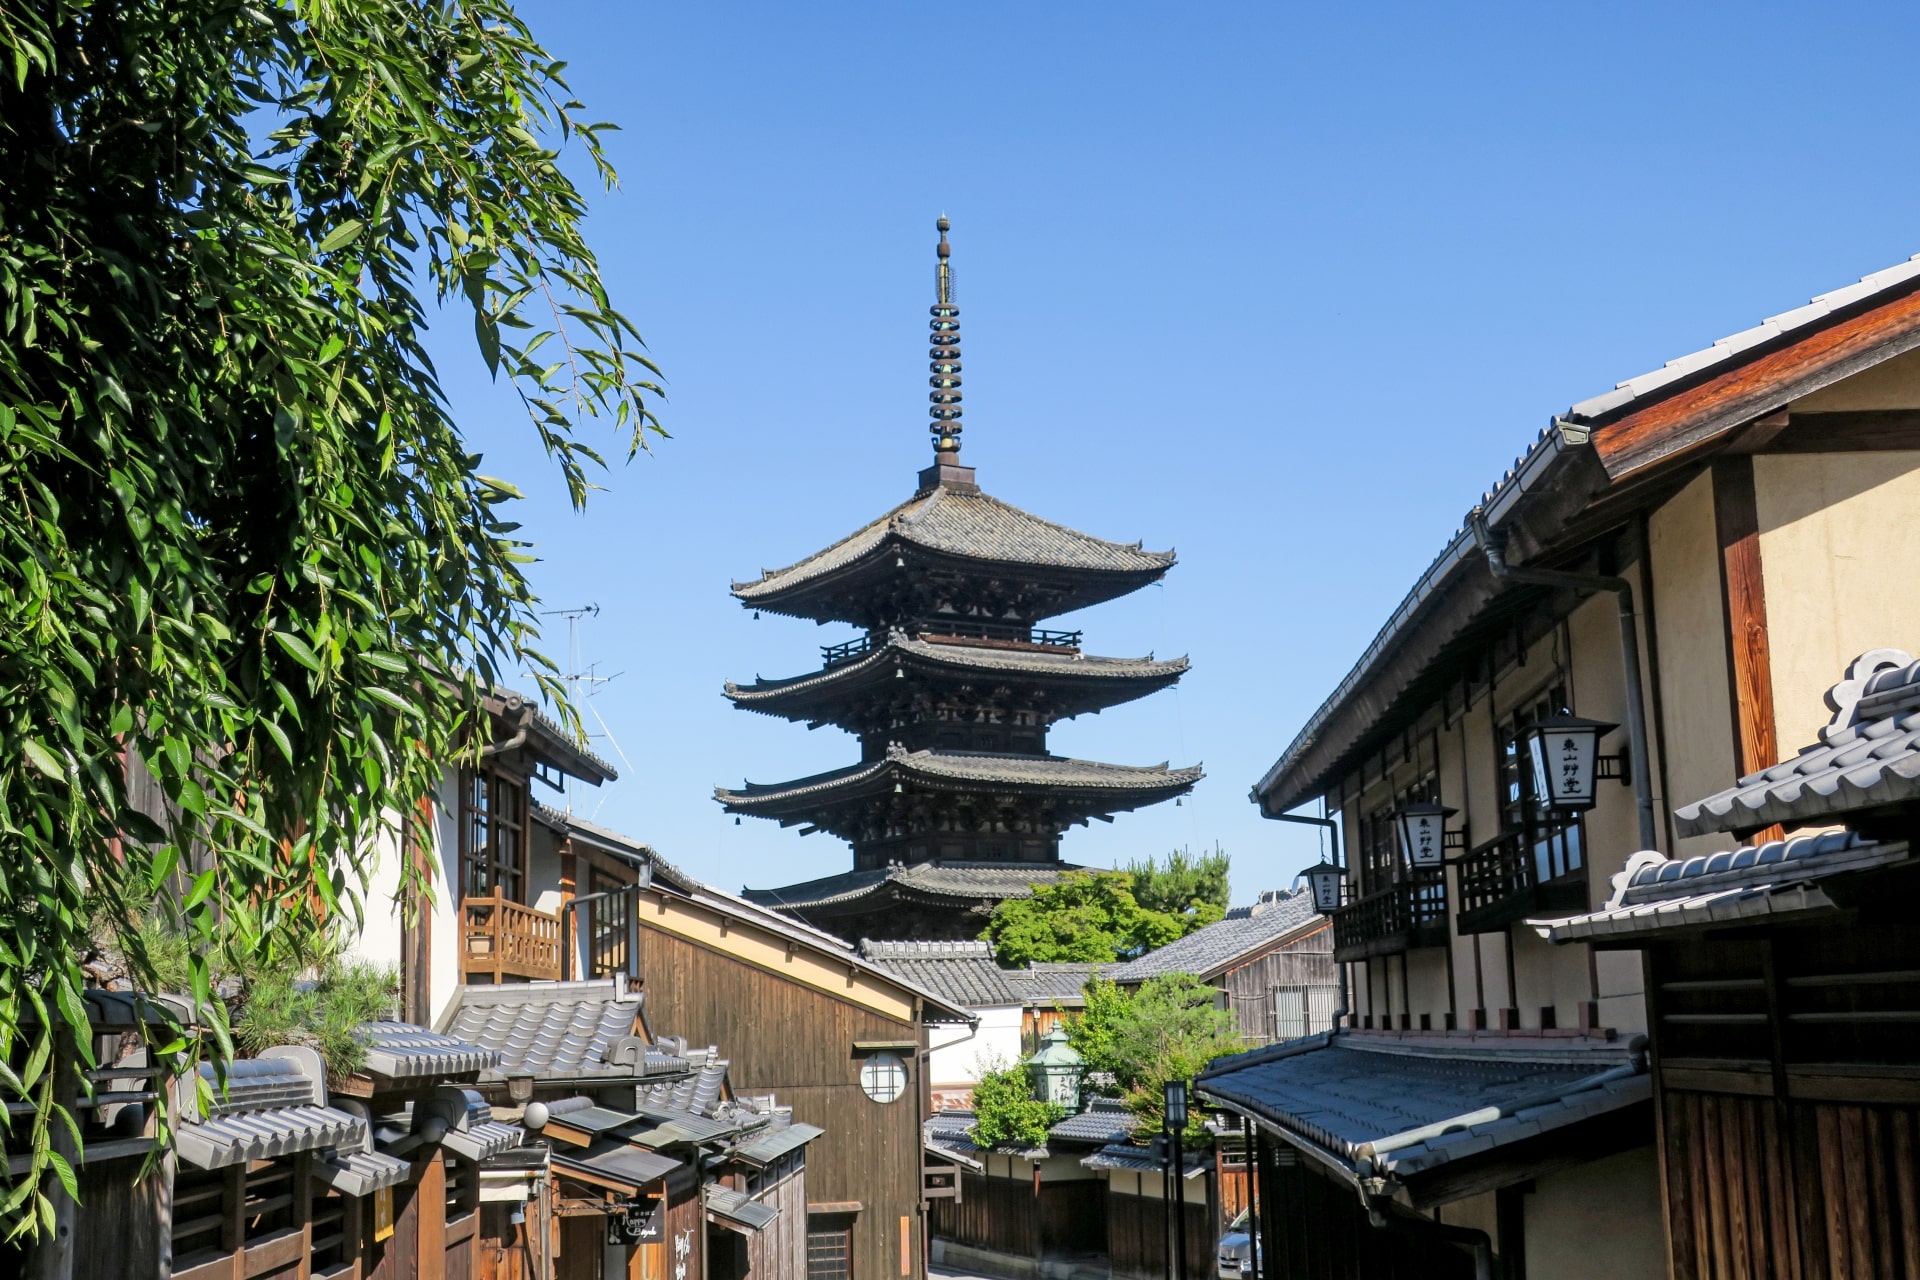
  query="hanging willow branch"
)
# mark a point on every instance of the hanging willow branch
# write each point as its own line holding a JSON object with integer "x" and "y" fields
{"x": 240, "y": 536}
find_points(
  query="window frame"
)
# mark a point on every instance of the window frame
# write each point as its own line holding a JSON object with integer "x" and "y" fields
{"x": 485, "y": 821}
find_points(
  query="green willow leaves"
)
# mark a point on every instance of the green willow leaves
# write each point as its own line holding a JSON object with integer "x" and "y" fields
{"x": 241, "y": 539}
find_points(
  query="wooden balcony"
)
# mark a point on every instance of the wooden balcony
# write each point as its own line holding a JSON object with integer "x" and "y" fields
{"x": 1508, "y": 878}
{"x": 501, "y": 939}
{"x": 1400, "y": 917}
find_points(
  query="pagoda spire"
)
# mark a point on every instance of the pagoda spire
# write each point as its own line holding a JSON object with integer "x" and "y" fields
{"x": 945, "y": 356}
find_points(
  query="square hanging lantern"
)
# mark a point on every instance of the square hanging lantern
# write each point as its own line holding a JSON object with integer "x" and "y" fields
{"x": 1326, "y": 881}
{"x": 1563, "y": 754}
{"x": 1423, "y": 832}
{"x": 1176, "y": 1100}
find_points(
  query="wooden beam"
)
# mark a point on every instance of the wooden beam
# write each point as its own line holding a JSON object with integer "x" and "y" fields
{"x": 1699, "y": 412}
{"x": 1743, "y": 592}
{"x": 1757, "y": 437}
{"x": 1858, "y": 431}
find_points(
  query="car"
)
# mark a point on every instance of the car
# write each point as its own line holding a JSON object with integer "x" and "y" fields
{"x": 1237, "y": 1260}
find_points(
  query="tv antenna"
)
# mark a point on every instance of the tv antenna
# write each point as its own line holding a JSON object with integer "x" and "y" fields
{"x": 584, "y": 684}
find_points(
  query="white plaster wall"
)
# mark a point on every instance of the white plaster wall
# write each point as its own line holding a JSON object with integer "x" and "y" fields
{"x": 956, "y": 1055}
{"x": 380, "y": 937}
{"x": 1840, "y": 549}
{"x": 443, "y": 955}
{"x": 1599, "y": 1221}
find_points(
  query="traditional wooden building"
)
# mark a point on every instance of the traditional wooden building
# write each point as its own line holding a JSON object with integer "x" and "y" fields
{"x": 1783, "y": 977}
{"x": 1685, "y": 559}
{"x": 1271, "y": 962}
{"x": 951, "y": 688}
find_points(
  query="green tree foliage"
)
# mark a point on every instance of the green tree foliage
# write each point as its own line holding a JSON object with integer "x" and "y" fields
{"x": 1183, "y": 885}
{"x": 280, "y": 1008}
{"x": 1109, "y": 915}
{"x": 1005, "y": 1112}
{"x": 241, "y": 536}
{"x": 1168, "y": 1029}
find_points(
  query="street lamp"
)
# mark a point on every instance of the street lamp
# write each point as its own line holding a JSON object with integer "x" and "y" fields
{"x": 1326, "y": 881}
{"x": 1423, "y": 831}
{"x": 1176, "y": 1113}
{"x": 1563, "y": 753}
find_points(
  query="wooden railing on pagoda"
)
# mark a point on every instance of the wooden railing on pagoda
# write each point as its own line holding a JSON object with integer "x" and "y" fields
{"x": 1505, "y": 880}
{"x": 501, "y": 938}
{"x": 961, "y": 630}
{"x": 1411, "y": 913}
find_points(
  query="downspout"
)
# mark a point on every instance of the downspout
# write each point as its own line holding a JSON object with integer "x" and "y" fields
{"x": 1339, "y": 860}
{"x": 1642, "y": 764}
{"x": 522, "y": 713}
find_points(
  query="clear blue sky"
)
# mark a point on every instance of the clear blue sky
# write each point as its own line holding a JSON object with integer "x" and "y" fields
{"x": 1282, "y": 287}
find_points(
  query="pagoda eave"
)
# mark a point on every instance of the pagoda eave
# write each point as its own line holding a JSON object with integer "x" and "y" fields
{"x": 1065, "y": 684}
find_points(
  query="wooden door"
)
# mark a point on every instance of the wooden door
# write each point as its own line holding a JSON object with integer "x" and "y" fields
{"x": 583, "y": 1247}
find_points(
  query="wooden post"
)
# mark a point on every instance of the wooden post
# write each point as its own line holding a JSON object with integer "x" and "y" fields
{"x": 1743, "y": 590}
{"x": 52, "y": 1256}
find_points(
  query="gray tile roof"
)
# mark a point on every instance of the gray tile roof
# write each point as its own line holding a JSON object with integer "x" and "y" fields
{"x": 1062, "y": 982}
{"x": 1867, "y": 757}
{"x": 270, "y": 1107}
{"x": 967, "y": 660}
{"x": 1124, "y": 1157}
{"x": 940, "y": 880}
{"x": 553, "y": 1031}
{"x": 1726, "y": 349}
{"x": 402, "y": 1051}
{"x": 360, "y": 1173}
{"x": 972, "y": 525}
{"x": 736, "y": 1209}
{"x": 1655, "y": 894}
{"x": 1243, "y": 932}
{"x": 1343, "y": 720}
{"x": 771, "y": 1143}
{"x": 963, "y": 972}
{"x": 606, "y": 839}
{"x": 1104, "y": 1122}
{"x": 613, "y": 1158}
{"x": 943, "y": 769}
{"x": 1409, "y": 1109}
{"x": 671, "y": 1126}
{"x": 950, "y": 1134}
{"x": 698, "y": 1093}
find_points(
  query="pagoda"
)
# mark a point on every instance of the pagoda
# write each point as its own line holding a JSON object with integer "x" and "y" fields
{"x": 951, "y": 687}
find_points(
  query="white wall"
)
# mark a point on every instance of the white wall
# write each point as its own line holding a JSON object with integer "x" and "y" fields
{"x": 382, "y": 935}
{"x": 956, "y": 1054}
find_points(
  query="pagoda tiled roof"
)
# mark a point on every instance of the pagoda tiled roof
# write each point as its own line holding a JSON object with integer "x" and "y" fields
{"x": 957, "y": 770}
{"x": 967, "y": 524}
{"x": 962, "y": 659}
{"x": 939, "y": 882}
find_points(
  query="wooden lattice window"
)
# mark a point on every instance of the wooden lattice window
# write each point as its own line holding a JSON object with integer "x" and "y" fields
{"x": 1380, "y": 859}
{"x": 830, "y": 1253}
{"x": 493, "y": 835}
{"x": 609, "y": 925}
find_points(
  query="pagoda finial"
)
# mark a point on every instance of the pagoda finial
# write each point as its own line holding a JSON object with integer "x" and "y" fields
{"x": 945, "y": 355}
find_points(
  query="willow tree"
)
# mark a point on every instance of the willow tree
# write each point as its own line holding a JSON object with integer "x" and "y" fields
{"x": 241, "y": 535}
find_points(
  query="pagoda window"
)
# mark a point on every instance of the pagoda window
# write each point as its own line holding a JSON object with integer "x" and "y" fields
{"x": 493, "y": 835}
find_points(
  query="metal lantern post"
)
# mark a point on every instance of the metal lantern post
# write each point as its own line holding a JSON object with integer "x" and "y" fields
{"x": 1423, "y": 832}
{"x": 1326, "y": 881}
{"x": 1563, "y": 754}
{"x": 1176, "y": 1107}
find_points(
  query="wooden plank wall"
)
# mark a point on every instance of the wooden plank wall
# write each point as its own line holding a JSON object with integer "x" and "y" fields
{"x": 1316, "y": 1229}
{"x": 1137, "y": 1230}
{"x": 124, "y": 1225}
{"x": 780, "y": 1251}
{"x": 1305, "y": 962}
{"x": 1001, "y": 1214}
{"x": 1759, "y": 1190}
{"x": 796, "y": 1042}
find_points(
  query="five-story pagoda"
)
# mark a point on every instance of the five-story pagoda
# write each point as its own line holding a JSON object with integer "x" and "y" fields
{"x": 956, "y": 803}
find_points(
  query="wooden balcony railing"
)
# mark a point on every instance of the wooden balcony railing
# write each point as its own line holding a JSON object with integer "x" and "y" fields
{"x": 1400, "y": 917}
{"x": 502, "y": 939}
{"x": 1511, "y": 878}
{"x": 992, "y": 634}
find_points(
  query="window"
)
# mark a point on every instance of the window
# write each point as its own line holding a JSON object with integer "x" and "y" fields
{"x": 830, "y": 1254}
{"x": 884, "y": 1076}
{"x": 609, "y": 924}
{"x": 492, "y": 835}
{"x": 1555, "y": 842}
